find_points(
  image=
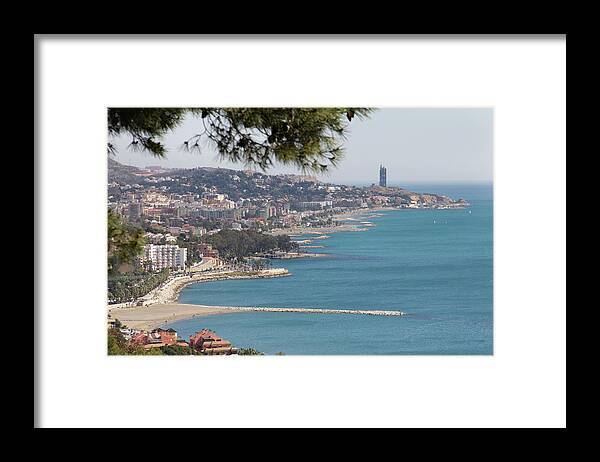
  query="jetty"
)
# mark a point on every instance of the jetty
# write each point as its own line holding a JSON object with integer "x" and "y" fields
{"x": 316, "y": 310}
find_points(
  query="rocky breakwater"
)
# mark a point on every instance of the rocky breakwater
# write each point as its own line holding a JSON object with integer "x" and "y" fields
{"x": 321, "y": 311}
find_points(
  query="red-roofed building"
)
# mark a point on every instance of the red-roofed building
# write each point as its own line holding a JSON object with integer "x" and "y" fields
{"x": 168, "y": 336}
{"x": 208, "y": 342}
{"x": 205, "y": 341}
{"x": 156, "y": 338}
{"x": 140, "y": 338}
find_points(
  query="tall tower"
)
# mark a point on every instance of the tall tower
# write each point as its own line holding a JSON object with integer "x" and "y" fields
{"x": 382, "y": 176}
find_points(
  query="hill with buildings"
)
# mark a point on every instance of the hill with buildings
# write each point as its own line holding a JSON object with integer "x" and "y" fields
{"x": 176, "y": 197}
{"x": 247, "y": 184}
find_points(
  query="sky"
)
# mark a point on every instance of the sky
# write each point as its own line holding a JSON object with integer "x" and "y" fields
{"x": 417, "y": 145}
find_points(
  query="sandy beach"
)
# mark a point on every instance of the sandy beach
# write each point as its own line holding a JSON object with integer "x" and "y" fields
{"x": 153, "y": 316}
{"x": 160, "y": 305}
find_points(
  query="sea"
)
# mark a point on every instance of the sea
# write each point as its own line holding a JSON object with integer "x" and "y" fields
{"x": 434, "y": 265}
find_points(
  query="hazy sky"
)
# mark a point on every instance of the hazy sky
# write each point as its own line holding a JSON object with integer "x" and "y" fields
{"x": 419, "y": 145}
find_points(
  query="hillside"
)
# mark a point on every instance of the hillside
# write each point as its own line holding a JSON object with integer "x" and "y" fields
{"x": 244, "y": 184}
{"x": 125, "y": 174}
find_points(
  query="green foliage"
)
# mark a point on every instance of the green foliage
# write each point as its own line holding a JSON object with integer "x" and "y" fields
{"x": 249, "y": 352}
{"x": 128, "y": 287}
{"x": 125, "y": 242}
{"x": 118, "y": 346}
{"x": 240, "y": 244}
{"x": 178, "y": 350}
{"x": 145, "y": 125}
{"x": 309, "y": 138}
{"x": 261, "y": 264}
{"x": 116, "y": 342}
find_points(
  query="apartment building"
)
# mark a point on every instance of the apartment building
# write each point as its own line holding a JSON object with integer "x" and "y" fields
{"x": 165, "y": 256}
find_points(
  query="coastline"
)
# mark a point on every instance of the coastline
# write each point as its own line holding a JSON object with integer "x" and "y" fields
{"x": 151, "y": 317}
{"x": 169, "y": 293}
{"x": 160, "y": 306}
{"x": 345, "y": 227}
{"x": 355, "y": 215}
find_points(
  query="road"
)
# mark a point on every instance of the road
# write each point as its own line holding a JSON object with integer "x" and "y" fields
{"x": 207, "y": 263}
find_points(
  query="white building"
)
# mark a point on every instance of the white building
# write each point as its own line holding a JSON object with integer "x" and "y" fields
{"x": 165, "y": 256}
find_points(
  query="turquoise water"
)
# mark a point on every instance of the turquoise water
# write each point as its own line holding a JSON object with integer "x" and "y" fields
{"x": 440, "y": 273}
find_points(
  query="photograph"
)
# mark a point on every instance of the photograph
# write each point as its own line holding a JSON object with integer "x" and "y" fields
{"x": 300, "y": 231}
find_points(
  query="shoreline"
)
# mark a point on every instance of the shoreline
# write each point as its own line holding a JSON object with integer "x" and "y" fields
{"x": 353, "y": 216}
{"x": 344, "y": 227}
{"x": 168, "y": 293}
{"x": 154, "y": 316}
{"x": 160, "y": 306}
{"x": 171, "y": 294}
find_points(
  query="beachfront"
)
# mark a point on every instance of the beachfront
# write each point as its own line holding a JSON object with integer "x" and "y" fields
{"x": 160, "y": 307}
{"x": 153, "y": 316}
{"x": 169, "y": 292}
{"x": 354, "y": 216}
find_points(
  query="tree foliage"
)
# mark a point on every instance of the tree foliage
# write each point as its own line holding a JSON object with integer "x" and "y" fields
{"x": 249, "y": 352}
{"x": 308, "y": 138}
{"x": 262, "y": 264}
{"x": 178, "y": 350}
{"x": 240, "y": 244}
{"x": 145, "y": 125}
{"x": 125, "y": 242}
{"x": 129, "y": 287}
{"x": 117, "y": 345}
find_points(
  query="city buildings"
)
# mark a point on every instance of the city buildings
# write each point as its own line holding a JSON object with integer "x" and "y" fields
{"x": 165, "y": 256}
{"x": 134, "y": 211}
{"x": 223, "y": 213}
{"x": 313, "y": 205}
{"x": 206, "y": 250}
{"x": 189, "y": 204}
{"x": 382, "y": 176}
